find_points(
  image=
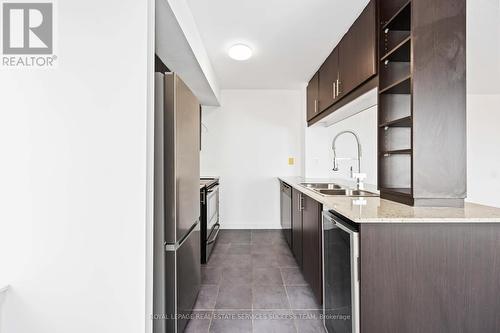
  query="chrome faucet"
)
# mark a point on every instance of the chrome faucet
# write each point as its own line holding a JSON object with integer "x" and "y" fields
{"x": 356, "y": 176}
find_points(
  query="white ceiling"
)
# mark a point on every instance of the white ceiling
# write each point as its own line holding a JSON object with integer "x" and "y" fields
{"x": 290, "y": 38}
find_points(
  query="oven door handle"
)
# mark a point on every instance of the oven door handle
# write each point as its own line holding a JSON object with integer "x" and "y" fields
{"x": 215, "y": 229}
{"x": 203, "y": 196}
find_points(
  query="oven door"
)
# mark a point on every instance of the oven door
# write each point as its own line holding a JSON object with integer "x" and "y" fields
{"x": 341, "y": 275}
{"x": 212, "y": 209}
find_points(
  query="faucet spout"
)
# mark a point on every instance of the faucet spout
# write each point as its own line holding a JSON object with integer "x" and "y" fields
{"x": 334, "y": 148}
{"x": 358, "y": 176}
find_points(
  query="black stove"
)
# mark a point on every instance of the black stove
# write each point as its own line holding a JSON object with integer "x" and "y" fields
{"x": 209, "y": 209}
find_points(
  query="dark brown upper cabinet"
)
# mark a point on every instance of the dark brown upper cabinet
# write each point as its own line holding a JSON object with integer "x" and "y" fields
{"x": 312, "y": 97}
{"x": 329, "y": 81}
{"x": 358, "y": 52}
{"x": 351, "y": 63}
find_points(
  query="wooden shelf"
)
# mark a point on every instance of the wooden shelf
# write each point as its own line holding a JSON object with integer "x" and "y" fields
{"x": 401, "y": 122}
{"x": 402, "y": 86}
{"x": 399, "y": 53}
{"x": 395, "y": 165}
{"x": 397, "y": 152}
{"x": 401, "y": 20}
{"x": 411, "y": 94}
{"x": 397, "y": 191}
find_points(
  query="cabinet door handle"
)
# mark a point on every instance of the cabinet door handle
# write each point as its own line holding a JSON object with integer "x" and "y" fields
{"x": 334, "y": 90}
{"x": 298, "y": 202}
{"x": 338, "y": 87}
{"x": 315, "y": 106}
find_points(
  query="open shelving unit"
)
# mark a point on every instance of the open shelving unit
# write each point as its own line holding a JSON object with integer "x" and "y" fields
{"x": 422, "y": 102}
{"x": 395, "y": 102}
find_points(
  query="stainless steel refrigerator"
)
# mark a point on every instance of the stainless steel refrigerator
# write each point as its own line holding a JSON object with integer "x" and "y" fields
{"x": 176, "y": 205}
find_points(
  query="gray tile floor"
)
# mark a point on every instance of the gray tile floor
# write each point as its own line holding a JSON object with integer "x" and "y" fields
{"x": 252, "y": 284}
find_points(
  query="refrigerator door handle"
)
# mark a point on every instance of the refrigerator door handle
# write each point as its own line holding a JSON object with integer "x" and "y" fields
{"x": 174, "y": 247}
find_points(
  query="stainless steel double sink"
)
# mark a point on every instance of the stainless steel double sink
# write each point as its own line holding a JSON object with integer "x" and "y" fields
{"x": 331, "y": 189}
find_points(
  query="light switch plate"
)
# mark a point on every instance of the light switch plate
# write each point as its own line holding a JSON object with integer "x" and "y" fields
{"x": 291, "y": 161}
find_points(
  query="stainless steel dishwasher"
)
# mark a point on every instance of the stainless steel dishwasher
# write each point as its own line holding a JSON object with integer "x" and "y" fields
{"x": 340, "y": 274}
{"x": 286, "y": 212}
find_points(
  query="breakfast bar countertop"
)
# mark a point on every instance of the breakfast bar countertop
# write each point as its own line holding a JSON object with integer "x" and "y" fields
{"x": 377, "y": 210}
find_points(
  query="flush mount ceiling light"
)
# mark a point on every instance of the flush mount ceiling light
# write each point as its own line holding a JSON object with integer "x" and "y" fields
{"x": 240, "y": 52}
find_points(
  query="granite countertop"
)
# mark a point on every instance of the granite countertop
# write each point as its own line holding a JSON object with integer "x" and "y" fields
{"x": 376, "y": 210}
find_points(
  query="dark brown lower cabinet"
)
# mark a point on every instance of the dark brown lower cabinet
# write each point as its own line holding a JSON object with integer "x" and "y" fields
{"x": 307, "y": 241}
{"x": 414, "y": 277}
{"x": 430, "y": 277}
{"x": 312, "y": 246}
{"x": 297, "y": 225}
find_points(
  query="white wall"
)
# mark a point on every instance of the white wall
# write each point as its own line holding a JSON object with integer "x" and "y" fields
{"x": 483, "y": 47}
{"x": 247, "y": 142}
{"x": 483, "y": 101}
{"x": 483, "y": 149}
{"x": 319, "y": 153}
{"x": 73, "y": 176}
